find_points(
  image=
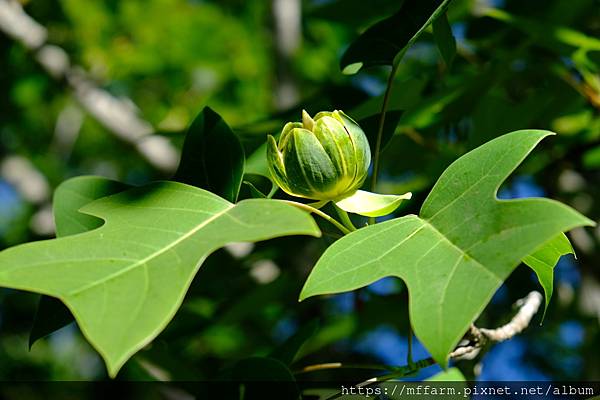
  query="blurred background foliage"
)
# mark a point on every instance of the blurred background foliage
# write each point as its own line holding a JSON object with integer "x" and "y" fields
{"x": 533, "y": 64}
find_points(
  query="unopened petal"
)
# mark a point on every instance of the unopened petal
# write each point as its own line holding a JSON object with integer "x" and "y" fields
{"x": 308, "y": 167}
{"x": 276, "y": 165}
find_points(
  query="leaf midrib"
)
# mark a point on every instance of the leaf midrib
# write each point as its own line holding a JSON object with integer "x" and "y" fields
{"x": 425, "y": 223}
{"x": 152, "y": 255}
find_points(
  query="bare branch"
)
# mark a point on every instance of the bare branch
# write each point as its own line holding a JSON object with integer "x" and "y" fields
{"x": 476, "y": 338}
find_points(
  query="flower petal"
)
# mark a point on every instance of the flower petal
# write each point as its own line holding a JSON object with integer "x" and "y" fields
{"x": 371, "y": 204}
{"x": 308, "y": 168}
{"x": 275, "y": 162}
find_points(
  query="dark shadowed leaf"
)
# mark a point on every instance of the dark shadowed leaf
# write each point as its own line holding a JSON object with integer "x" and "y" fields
{"x": 384, "y": 42}
{"x": 212, "y": 157}
{"x": 445, "y": 41}
{"x": 255, "y": 186}
{"x": 370, "y": 126}
{"x": 355, "y": 12}
{"x": 75, "y": 193}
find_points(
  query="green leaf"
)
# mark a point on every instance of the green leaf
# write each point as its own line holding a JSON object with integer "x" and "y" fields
{"x": 212, "y": 157}
{"x": 255, "y": 186}
{"x": 385, "y": 42}
{"x": 75, "y": 193}
{"x": 543, "y": 261}
{"x": 445, "y": 41}
{"x": 450, "y": 375}
{"x": 124, "y": 281}
{"x": 69, "y": 197}
{"x": 459, "y": 250}
{"x": 371, "y": 204}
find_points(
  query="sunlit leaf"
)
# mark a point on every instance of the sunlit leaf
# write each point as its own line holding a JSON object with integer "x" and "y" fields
{"x": 459, "y": 250}
{"x": 543, "y": 261}
{"x": 69, "y": 197}
{"x": 124, "y": 281}
{"x": 449, "y": 375}
{"x": 371, "y": 204}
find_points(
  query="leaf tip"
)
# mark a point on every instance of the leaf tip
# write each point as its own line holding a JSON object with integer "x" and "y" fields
{"x": 303, "y": 295}
{"x": 114, "y": 365}
{"x": 352, "y": 69}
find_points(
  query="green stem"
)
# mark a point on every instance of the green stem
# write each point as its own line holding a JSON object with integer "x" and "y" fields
{"x": 384, "y": 106}
{"x": 320, "y": 213}
{"x": 345, "y": 218}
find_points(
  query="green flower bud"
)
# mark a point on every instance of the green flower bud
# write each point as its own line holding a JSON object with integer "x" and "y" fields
{"x": 323, "y": 158}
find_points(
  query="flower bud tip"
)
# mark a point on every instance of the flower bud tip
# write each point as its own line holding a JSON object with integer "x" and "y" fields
{"x": 307, "y": 121}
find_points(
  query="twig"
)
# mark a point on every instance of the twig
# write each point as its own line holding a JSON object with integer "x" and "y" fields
{"x": 528, "y": 307}
{"x": 477, "y": 338}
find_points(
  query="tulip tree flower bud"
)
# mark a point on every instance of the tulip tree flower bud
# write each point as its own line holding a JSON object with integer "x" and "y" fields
{"x": 324, "y": 158}
{"x": 327, "y": 159}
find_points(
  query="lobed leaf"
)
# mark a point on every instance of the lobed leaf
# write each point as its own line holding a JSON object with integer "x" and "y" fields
{"x": 458, "y": 251}
{"x": 125, "y": 280}
{"x": 69, "y": 197}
